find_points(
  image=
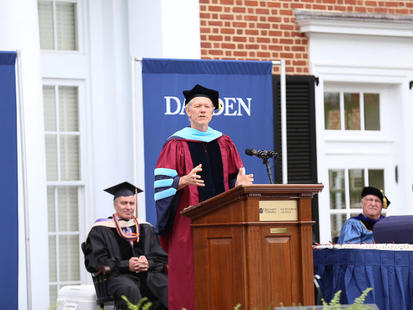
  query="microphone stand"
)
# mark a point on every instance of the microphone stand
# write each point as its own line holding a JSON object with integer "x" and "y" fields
{"x": 267, "y": 164}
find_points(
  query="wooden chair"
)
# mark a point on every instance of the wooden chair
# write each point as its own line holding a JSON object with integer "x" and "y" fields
{"x": 100, "y": 279}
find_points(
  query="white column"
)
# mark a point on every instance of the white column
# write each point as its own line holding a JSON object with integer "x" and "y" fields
{"x": 110, "y": 96}
{"x": 163, "y": 28}
{"x": 19, "y": 30}
{"x": 181, "y": 36}
{"x": 406, "y": 167}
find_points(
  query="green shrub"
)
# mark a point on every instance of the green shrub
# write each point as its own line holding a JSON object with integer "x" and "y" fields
{"x": 335, "y": 302}
{"x": 145, "y": 304}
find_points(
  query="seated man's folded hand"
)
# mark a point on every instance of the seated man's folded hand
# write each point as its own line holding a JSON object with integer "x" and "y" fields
{"x": 138, "y": 264}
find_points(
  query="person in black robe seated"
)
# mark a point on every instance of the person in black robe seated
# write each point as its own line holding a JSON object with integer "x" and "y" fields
{"x": 131, "y": 249}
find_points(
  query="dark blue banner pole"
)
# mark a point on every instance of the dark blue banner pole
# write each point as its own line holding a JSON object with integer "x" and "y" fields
{"x": 9, "y": 232}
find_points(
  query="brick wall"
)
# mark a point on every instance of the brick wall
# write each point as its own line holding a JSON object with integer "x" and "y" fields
{"x": 266, "y": 30}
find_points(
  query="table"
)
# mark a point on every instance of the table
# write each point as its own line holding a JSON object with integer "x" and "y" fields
{"x": 388, "y": 269}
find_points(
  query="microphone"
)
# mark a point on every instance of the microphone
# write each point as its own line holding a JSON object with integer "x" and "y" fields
{"x": 261, "y": 153}
{"x": 264, "y": 155}
{"x": 251, "y": 152}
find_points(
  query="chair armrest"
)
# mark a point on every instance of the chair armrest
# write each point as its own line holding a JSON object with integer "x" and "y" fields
{"x": 100, "y": 279}
{"x": 103, "y": 270}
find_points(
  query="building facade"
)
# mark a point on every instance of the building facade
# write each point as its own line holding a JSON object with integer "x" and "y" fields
{"x": 79, "y": 79}
{"x": 359, "y": 52}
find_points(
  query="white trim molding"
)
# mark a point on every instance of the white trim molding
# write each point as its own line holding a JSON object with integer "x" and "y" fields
{"x": 354, "y": 23}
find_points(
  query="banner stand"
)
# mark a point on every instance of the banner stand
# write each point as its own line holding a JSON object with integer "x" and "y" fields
{"x": 22, "y": 147}
{"x": 138, "y": 132}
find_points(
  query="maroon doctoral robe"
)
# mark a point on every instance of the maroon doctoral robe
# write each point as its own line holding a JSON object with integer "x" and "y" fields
{"x": 180, "y": 154}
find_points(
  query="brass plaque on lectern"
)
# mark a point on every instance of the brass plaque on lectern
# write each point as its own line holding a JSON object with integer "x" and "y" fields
{"x": 278, "y": 210}
{"x": 278, "y": 230}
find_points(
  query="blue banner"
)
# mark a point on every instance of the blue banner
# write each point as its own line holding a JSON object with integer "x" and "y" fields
{"x": 8, "y": 183}
{"x": 245, "y": 88}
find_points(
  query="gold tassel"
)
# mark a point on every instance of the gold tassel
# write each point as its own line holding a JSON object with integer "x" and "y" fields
{"x": 384, "y": 200}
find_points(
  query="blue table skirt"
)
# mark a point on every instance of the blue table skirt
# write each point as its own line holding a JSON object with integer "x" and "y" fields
{"x": 389, "y": 273}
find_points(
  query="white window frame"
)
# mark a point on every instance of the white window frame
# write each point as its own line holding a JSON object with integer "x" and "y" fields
{"x": 361, "y": 103}
{"x": 80, "y": 30}
{"x": 80, "y": 184}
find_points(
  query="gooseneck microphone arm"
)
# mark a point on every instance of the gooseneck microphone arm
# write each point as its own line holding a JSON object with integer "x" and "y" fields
{"x": 264, "y": 155}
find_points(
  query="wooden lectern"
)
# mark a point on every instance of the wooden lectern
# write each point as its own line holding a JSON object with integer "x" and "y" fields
{"x": 253, "y": 246}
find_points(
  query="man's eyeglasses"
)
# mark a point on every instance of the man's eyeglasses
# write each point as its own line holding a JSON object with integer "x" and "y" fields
{"x": 371, "y": 200}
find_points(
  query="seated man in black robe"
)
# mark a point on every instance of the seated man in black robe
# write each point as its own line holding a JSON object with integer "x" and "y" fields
{"x": 131, "y": 249}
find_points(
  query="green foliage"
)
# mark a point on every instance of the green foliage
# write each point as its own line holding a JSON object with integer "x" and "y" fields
{"x": 143, "y": 304}
{"x": 360, "y": 300}
{"x": 238, "y": 307}
{"x": 335, "y": 302}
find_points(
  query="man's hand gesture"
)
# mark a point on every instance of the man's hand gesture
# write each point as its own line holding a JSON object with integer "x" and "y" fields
{"x": 192, "y": 178}
{"x": 244, "y": 179}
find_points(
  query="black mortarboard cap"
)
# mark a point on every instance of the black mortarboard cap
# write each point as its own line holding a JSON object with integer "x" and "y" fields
{"x": 123, "y": 189}
{"x": 201, "y": 91}
{"x": 370, "y": 190}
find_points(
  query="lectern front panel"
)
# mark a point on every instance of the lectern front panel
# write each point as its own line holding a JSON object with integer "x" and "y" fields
{"x": 274, "y": 272}
{"x": 221, "y": 260}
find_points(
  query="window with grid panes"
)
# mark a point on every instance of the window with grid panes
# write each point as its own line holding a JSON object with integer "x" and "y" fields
{"x": 58, "y": 24}
{"x": 64, "y": 184}
{"x": 346, "y": 186}
{"x": 351, "y": 111}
